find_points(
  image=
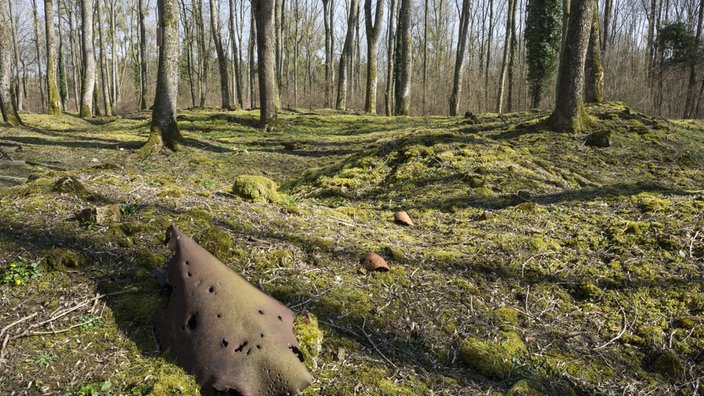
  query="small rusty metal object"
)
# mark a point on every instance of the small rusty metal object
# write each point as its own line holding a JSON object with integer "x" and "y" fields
{"x": 403, "y": 218}
{"x": 374, "y": 262}
{"x": 226, "y": 332}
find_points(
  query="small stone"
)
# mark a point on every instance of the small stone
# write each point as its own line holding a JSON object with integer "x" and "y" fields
{"x": 100, "y": 215}
{"x": 599, "y": 139}
{"x": 374, "y": 262}
{"x": 403, "y": 218}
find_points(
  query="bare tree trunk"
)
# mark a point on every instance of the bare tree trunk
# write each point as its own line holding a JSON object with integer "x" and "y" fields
{"x": 103, "y": 63}
{"x": 19, "y": 84}
{"x": 222, "y": 57}
{"x": 403, "y": 63}
{"x": 203, "y": 58}
{"x": 188, "y": 31}
{"x": 690, "y": 106}
{"x": 54, "y": 100}
{"x": 88, "y": 84}
{"x": 488, "y": 52}
{"x": 236, "y": 77}
{"x": 508, "y": 42}
{"x": 266, "y": 60}
{"x": 594, "y": 73}
{"x": 116, "y": 81}
{"x": 606, "y": 27}
{"x": 252, "y": 69}
{"x": 296, "y": 45}
{"x": 391, "y": 50}
{"x": 569, "y": 114}
{"x": 425, "y": 53}
{"x": 7, "y": 105}
{"x": 142, "y": 58}
{"x": 346, "y": 56}
{"x": 373, "y": 30}
{"x": 72, "y": 36}
{"x": 164, "y": 129}
{"x": 39, "y": 55}
{"x": 327, "y": 19}
{"x": 459, "y": 59}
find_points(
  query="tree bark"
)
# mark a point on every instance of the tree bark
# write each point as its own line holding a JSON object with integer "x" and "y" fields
{"x": 488, "y": 52}
{"x": 569, "y": 114}
{"x": 327, "y": 20}
{"x": 203, "y": 58}
{"x": 88, "y": 83}
{"x": 373, "y": 30}
{"x": 7, "y": 105}
{"x": 459, "y": 59}
{"x": 103, "y": 62}
{"x": 594, "y": 73}
{"x": 510, "y": 15}
{"x": 425, "y": 53}
{"x": 346, "y": 57}
{"x": 52, "y": 88}
{"x": 252, "y": 69}
{"x": 164, "y": 129}
{"x": 391, "y": 50}
{"x": 222, "y": 57}
{"x": 188, "y": 31}
{"x": 403, "y": 62}
{"x": 19, "y": 84}
{"x": 75, "y": 76}
{"x": 266, "y": 55}
{"x": 142, "y": 58}
{"x": 606, "y": 26}
{"x": 39, "y": 54}
{"x": 236, "y": 79}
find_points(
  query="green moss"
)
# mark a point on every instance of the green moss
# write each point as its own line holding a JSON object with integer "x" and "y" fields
{"x": 493, "y": 359}
{"x": 70, "y": 185}
{"x": 310, "y": 338}
{"x": 217, "y": 241}
{"x": 666, "y": 363}
{"x": 171, "y": 193}
{"x": 256, "y": 189}
{"x": 137, "y": 308}
{"x": 523, "y": 388}
{"x": 506, "y": 318}
{"x": 60, "y": 259}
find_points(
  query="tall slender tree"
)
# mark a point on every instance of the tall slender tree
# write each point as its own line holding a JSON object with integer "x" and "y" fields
{"x": 329, "y": 50}
{"x": 7, "y": 105}
{"x": 142, "y": 56}
{"x": 459, "y": 59}
{"x": 54, "y": 103}
{"x": 594, "y": 72}
{"x": 390, "y": 51}
{"x": 18, "y": 87}
{"x": 222, "y": 56}
{"x": 404, "y": 59}
{"x": 569, "y": 114}
{"x": 236, "y": 75}
{"x": 508, "y": 43}
{"x": 39, "y": 53}
{"x": 88, "y": 83}
{"x": 346, "y": 56}
{"x": 164, "y": 129}
{"x": 266, "y": 59}
{"x": 107, "y": 106}
{"x": 373, "y": 30}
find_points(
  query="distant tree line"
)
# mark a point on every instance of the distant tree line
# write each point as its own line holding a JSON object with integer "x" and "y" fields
{"x": 98, "y": 57}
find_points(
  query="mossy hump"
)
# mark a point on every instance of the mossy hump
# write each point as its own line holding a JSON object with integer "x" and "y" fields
{"x": 256, "y": 189}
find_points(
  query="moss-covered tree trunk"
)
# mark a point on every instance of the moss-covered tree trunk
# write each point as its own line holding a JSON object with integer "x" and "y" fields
{"x": 403, "y": 61}
{"x": 88, "y": 83}
{"x": 569, "y": 114}
{"x": 164, "y": 129}
{"x": 268, "y": 91}
{"x": 594, "y": 73}
{"x": 373, "y": 29}
{"x": 7, "y": 105}
{"x": 346, "y": 57}
{"x": 54, "y": 104}
{"x": 459, "y": 59}
{"x": 222, "y": 57}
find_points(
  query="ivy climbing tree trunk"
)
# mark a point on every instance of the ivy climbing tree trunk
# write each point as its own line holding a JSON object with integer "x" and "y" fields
{"x": 266, "y": 55}
{"x": 459, "y": 59}
{"x": 164, "y": 129}
{"x": 7, "y": 105}
{"x": 373, "y": 29}
{"x": 594, "y": 72}
{"x": 403, "y": 61}
{"x": 88, "y": 83}
{"x": 569, "y": 114}
{"x": 222, "y": 57}
{"x": 343, "y": 79}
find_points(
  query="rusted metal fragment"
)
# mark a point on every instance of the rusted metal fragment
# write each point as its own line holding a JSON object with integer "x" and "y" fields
{"x": 229, "y": 334}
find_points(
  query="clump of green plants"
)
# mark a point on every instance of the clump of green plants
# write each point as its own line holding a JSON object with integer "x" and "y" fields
{"x": 21, "y": 271}
{"x": 91, "y": 390}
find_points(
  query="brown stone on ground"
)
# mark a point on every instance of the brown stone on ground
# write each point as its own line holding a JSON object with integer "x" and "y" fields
{"x": 599, "y": 139}
{"x": 231, "y": 336}
{"x": 374, "y": 262}
{"x": 403, "y": 218}
{"x": 100, "y": 215}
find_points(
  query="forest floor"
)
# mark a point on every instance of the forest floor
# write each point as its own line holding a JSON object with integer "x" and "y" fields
{"x": 536, "y": 265}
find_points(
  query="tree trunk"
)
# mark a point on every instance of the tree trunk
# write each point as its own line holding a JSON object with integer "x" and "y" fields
{"x": 690, "y": 107}
{"x": 510, "y": 15}
{"x": 236, "y": 80}
{"x": 252, "y": 69}
{"x": 425, "y": 53}
{"x": 88, "y": 84}
{"x": 63, "y": 86}
{"x": 391, "y": 50}
{"x": 203, "y": 58}
{"x": 222, "y": 57}
{"x": 594, "y": 73}
{"x": 346, "y": 56}
{"x": 142, "y": 58}
{"x": 327, "y": 19}
{"x": 39, "y": 54}
{"x": 459, "y": 59}
{"x": 115, "y": 80}
{"x": 373, "y": 30}
{"x": 54, "y": 100}
{"x": 403, "y": 62}
{"x": 296, "y": 45}
{"x": 103, "y": 62}
{"x": 164, "y": 129}
{"x": 569, "y": 114}
{"x": 488, "y": 52}
{"x": 7, "y": 105}
{"x": 606, "y": 27}
{"x": 188, "y": 31}
{"x": 75, "y": 76}
{"x": 19, "y": 84}
{"x": 266, "y": 60}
